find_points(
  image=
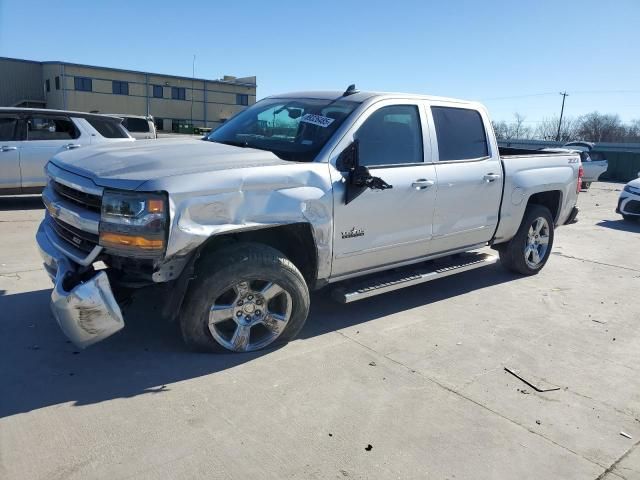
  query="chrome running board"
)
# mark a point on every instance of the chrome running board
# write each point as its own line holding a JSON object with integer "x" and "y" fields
{"x": 388, "y": 281}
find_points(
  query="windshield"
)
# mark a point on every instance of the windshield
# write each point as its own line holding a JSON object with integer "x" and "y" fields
{"x": 292, "y": 128}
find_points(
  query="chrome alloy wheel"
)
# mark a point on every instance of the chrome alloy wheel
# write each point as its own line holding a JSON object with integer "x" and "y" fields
{"x": 250, "y": 315}
{"x": 535, "y": 250}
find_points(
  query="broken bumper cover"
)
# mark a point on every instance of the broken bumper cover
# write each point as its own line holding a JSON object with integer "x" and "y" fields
{"x": 86, "y": 311}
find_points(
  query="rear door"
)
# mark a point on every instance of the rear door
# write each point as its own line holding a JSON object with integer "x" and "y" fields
{"x": 383, "y": 227}
{"x": 469, "y": 175}
{"x": 9, "y": 154}
{"x": 47, "y": 134}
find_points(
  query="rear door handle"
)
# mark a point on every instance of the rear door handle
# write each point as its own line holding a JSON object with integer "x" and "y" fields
{"x": 491, "y": 177}
{"x": 71, "y": 146}
{"x": 422, "y": 184}
{"x": 7, "y": 148}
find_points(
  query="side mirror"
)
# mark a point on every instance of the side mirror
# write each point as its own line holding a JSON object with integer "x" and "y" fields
{"x": 348, "y": 159}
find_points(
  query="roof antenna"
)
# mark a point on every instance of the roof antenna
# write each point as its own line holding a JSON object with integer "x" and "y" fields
{"x": 351, "y": 89}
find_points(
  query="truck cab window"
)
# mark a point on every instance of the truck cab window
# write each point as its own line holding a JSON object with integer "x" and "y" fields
{"x": 390, "y": 136}
{"x": 460, "y": 133}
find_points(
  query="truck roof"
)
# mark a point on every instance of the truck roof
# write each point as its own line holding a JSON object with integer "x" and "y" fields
{"x": 362, "y": 96}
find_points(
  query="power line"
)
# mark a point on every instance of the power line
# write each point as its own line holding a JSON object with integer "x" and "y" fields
{"x": 578, "y": 92}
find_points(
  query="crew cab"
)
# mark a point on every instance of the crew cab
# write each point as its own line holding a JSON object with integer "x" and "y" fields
{"x": 360, "y": 192}
{"x": 30, "y": 137}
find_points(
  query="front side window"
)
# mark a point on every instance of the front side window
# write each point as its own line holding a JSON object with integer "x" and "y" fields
{"x": 292, "y": 128}
{"x": 158, "y": 91}
{"x": 242, "y": 99}
{"x": 51, "y": 128}
{"x": 8, "y": 128}
{"x": 83, "y": 84}
{"x": 460, "y": 133}
{"x": 391, "y": 136}
{"x": 120, "y": 88}
{"x": 178, "y": 93}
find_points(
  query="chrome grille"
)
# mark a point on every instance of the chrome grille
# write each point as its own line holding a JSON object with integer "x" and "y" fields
{"x": 85, "y": 200}
{"x": 80, "y": 239}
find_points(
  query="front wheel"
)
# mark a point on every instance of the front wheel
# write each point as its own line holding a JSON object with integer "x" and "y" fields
{"x": 529, "y": 250}
{"x": 630, "y": 218}
{"x": 244, "y": 298}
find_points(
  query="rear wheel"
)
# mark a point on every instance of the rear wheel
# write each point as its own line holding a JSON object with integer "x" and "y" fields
{"x": 630, "y": 218}
{"x": 244, "y": 298}
{"x": 586, "y": 185}
{"x": 528, "y": 251}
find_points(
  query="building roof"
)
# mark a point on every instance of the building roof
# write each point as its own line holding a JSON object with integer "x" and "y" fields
{"x": 58, "y": 62}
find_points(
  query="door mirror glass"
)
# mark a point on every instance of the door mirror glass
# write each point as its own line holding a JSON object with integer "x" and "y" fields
{"x": 348, "y": 159}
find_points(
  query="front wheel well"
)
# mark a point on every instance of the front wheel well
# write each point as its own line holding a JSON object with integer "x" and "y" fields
{"x": 294, "y": 240}
{"x": 551, "y": 200}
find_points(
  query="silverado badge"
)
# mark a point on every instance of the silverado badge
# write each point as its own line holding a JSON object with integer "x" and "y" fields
{"x": 354, "y": 232}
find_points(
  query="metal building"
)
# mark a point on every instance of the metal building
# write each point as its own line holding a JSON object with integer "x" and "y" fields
{"x": 172, "y": 100}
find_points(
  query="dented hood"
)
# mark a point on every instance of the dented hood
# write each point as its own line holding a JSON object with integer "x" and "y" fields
{"x": 128, "y": 165}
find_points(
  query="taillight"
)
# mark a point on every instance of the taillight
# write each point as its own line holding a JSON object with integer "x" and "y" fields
{"x": 580, "y": 175}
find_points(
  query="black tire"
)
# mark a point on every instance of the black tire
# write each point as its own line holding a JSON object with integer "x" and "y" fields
{"x": 629, "y": 218}
{"x": 585, "y": 185}
{"x": 220, "y": 271}
{"x": 512, "y": 254}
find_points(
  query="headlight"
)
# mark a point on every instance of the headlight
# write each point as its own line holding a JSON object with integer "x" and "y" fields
{"x": 630, "y": 189}
{"x": 133, "y": 223}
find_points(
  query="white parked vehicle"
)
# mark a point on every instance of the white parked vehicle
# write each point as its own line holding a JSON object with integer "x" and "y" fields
{"x": 30, "y": 137}
{"x": 593, "y": 163}
{"x": 139, "y": 127}
{"x": 366, "y": 192}
{"x": 629, "y": 201}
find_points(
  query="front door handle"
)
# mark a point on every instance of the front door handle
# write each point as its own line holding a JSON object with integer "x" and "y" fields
{"x": 491, "y": 177}
{"x": 422, "y": 184}
{"x": 71, "y": 146}
{"x": 7, "y": 148}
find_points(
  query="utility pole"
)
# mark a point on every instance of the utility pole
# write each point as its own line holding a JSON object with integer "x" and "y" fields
{"x": 564, "y": 95}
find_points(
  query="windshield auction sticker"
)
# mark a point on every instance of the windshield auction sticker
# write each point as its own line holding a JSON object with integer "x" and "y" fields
{"x": 319, "y": 120}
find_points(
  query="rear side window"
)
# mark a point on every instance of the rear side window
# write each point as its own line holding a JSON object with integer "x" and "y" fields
{"x": 460, "y": 133}
{"x": 391, "y": 136}
{"x": 8, "y": 128}
{"x": 51, "y": 128}
{"x": 108, "y": 128}
{"x": 136, "y": 124}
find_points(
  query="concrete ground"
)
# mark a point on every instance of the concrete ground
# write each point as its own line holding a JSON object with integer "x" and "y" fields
{"x": 406, "y": 385}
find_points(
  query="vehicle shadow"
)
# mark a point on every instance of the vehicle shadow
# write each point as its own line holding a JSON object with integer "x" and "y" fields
{"x": 21, "y": 202}
{"x": 622, "y": 225}
{"x": 41, "y": 368}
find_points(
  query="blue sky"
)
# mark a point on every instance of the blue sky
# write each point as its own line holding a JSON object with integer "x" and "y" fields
{"x": 515, "y": 56}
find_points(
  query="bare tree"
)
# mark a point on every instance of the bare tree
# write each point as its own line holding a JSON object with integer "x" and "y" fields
{"x": 513, "y": 130}
{"x": 597, "y": 127}
{"x": 547, "y": 129}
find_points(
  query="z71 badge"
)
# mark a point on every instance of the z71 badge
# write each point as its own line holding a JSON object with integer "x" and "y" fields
{"x": 354, "y": 232}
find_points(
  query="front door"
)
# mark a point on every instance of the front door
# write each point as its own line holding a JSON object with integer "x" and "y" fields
{"x": 46, "y": 136}
{"x": 383, "y": 227}
{"x": 9, "y": 154}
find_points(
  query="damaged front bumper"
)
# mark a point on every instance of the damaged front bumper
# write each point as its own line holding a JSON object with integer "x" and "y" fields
{"x": 84, "y": 307}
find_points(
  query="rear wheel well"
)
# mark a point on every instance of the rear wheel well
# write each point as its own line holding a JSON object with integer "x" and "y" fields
{"x": 550, "y": 199}
{"x": 295, "y": 241}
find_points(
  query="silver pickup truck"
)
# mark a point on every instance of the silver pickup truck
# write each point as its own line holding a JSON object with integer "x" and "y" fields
{"x": 360, "y": 192}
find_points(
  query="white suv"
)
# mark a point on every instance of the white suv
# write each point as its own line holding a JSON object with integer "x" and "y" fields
{"x": 30, "y": 137}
